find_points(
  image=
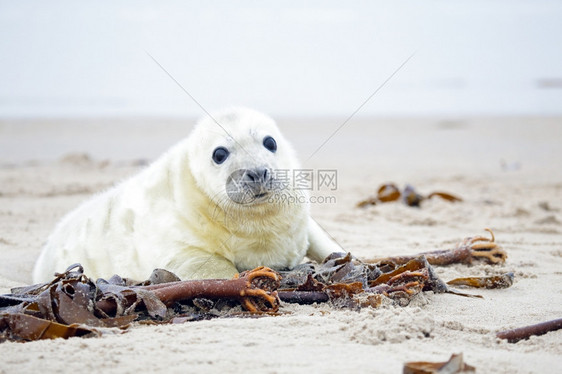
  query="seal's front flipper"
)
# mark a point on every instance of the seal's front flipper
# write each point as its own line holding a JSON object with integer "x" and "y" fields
{"x": 199, "y": 264}
{"x": 321, "y": 244}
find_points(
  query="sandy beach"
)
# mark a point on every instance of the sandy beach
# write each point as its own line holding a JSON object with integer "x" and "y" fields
{"x": 507, "y": 170}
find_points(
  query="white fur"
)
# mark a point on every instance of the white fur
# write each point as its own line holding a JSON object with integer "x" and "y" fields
{"x": 175, "y": 214}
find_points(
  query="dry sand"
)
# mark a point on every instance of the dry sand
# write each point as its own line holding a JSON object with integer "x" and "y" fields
{"x": 509, "y": 172}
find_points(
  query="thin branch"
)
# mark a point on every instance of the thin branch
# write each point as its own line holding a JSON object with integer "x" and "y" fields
{"x": 514, "y": 335}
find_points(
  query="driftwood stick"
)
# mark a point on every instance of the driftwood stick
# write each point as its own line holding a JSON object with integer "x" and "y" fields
{"x": 514, "y": 335}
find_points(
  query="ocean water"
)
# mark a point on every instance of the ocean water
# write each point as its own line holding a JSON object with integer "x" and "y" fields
{"x": 318, "y": 58}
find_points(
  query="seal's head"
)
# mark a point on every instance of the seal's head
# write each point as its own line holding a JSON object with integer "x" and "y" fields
{"x": 240, "y": 159}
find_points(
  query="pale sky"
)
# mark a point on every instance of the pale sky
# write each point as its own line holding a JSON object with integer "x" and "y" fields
{"x": 290, "y": 58}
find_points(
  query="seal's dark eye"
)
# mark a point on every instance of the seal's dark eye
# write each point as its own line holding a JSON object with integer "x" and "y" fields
{"x": 270, "y": 143}
{"x": 220, "y": 155}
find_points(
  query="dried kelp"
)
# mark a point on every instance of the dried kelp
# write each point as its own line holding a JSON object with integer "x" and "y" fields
{"x": 61, "y": 308}
{"x": 477, "y": 248}
{"x": 496, "y": 281}
{"x": 390, "y": 192}
{"x": 255, "y": 289}
{"x": 74, "y": 305}
{"x": 349, "y": 282}
{"x": 455, "y": 364}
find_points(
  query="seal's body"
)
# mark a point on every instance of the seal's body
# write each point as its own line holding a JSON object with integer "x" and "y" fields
{"x": 208, "y": 208}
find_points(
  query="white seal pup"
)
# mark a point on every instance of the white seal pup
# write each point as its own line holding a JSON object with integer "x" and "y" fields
{"x": 208, "y": 208}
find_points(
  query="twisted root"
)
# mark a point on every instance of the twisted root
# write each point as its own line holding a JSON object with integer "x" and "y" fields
{"x": 485, "y": 249}
{"x": 260, "y": 292}
{"x": 471, "y": 248}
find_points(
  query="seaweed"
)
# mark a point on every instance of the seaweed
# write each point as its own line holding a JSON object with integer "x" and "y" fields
{"x": 496, "y": 281}
{"x": 455, "y": 364}
{"x": 74, "y": 305}
{"x": 389, "y": 192}
{"x": 476, "y": 248}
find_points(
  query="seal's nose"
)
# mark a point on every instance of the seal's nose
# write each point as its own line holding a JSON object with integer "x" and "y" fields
{"x": 257, "y": 176}
{"x": 264, "y": 174}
